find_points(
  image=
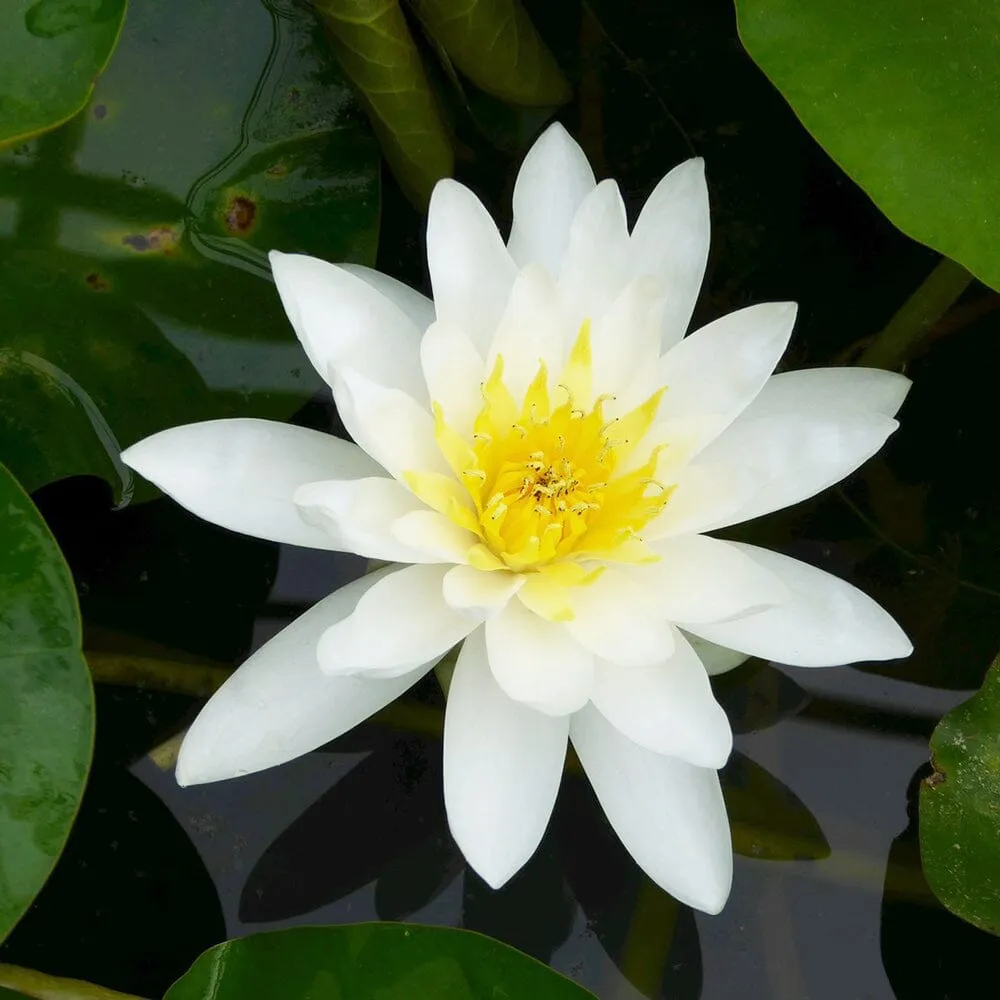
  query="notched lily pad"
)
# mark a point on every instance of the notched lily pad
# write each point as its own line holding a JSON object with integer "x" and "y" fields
{"x": 960, "y": 808}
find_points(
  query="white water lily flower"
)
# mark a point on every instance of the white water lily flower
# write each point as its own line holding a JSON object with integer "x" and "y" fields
{"x": 542, "y": 454}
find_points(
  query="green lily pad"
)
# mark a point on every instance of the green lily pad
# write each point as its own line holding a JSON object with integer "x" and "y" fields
{"x": 46, "y": 703}
{"x": 140, "y": 296}
{"x": 51, "y": 51}
{"x": 370, "y": 962}
{"x": 960, "y": 808}
{"x": 902, "y": 95}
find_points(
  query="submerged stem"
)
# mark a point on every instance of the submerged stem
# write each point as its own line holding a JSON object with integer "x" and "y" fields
{"x": 174, "y": 676}
{"x": 933, "y": 298}
{"x": 32, "y": 983}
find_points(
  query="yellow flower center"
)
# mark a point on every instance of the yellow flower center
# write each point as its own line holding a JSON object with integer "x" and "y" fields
{"x": 552, "y": 479}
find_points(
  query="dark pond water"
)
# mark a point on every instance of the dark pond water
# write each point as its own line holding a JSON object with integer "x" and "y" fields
{"x": 828, "y": 898}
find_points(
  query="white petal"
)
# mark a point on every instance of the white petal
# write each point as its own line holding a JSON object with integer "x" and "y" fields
{"x": 554, "y": 178}
{"x": 533, "y": 330}
{"x": 791, "y": 457}
{"x": 414, "y": 304}
{"x": 434, "y": 536}
{"x": 827, "y": 622}
{"x": 538, "y": 662}
{"x": 242, "y": 473}
{"x": 703, "y": 496}
{"x": 403, "y": 619}
{"x": 625, "y": 345}
{"x": 715, "y": 659}
{"x": 670, "y": 242}
{"x": 362, "y": 511}
{"x": 342, "y": 320}
{"x": 863, "y": 389}
{"x": 390, "y": 425}
{"x": 613, "y": 620}
{"x": 596, "y": 266}
{"x": 278, "y": 705}
{"x": 454, "y": 371}
{"x": 720, "y": 368}
{"x": 502, "y": 765}
{"x": 471, "y": 271}
{"x": 484, "y": 594}
{"x": 667, "y": 707}
{"x": 702, "y": 579}
{"x": 669, "y": 814}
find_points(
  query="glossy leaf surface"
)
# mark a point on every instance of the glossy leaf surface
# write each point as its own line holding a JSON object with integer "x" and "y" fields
{"x": 46, "y": 703}
{"x": 51, "y": 51}
{"x": 902, "y": 94}
{"x": 369, "y": 961}
{"x": 960, "y": 808}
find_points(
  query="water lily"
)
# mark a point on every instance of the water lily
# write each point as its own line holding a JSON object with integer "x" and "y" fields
{"x": 540, "y": 453}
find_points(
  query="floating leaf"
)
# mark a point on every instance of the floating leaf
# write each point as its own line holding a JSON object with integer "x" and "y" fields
{"x": 51, "y": 52}
{"x": 768, "y": 819}
{"x": 77, "y": 366}
{"x": 494, "y": 43}
{"x": 960, "y": 808}
{"x": 46, "y": 703}
{"x": 377, "y": 52}
{"x": 387, "y": 961}
{"x": 137, "y": 293}
{"x": 130, "y": 902}
{"x": 902, "y": 94}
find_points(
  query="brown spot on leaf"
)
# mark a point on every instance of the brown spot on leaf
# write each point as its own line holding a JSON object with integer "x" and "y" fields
{"x": 97, "y": 281}
{"x": 276, "y": 171}
{"x": 160, "y": 239}
{"x": 936, "y": 778}
{"x": 100, "y": 111}
{"x": 240, "y": 214}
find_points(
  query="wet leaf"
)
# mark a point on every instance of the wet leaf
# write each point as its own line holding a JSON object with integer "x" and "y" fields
{"x": 46, "y": 703}
{"x": 356, "y": 962}
{"x": 768, "y": 819}
{"x": 130, "y": 902}
{"x": 902, "y": 96}
{"x": 960, "y": 808}
{"x": 139, "y": 295}
{"x": 927, "y": 951}
{"x": 494, "y": 43}
{"x": 51, "y": 52}
{"x": 77, "y": 366}
{"x": 377, "y": 52}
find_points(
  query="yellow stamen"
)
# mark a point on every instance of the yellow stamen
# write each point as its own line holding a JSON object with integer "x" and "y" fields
{"x": 551, "y": 481}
